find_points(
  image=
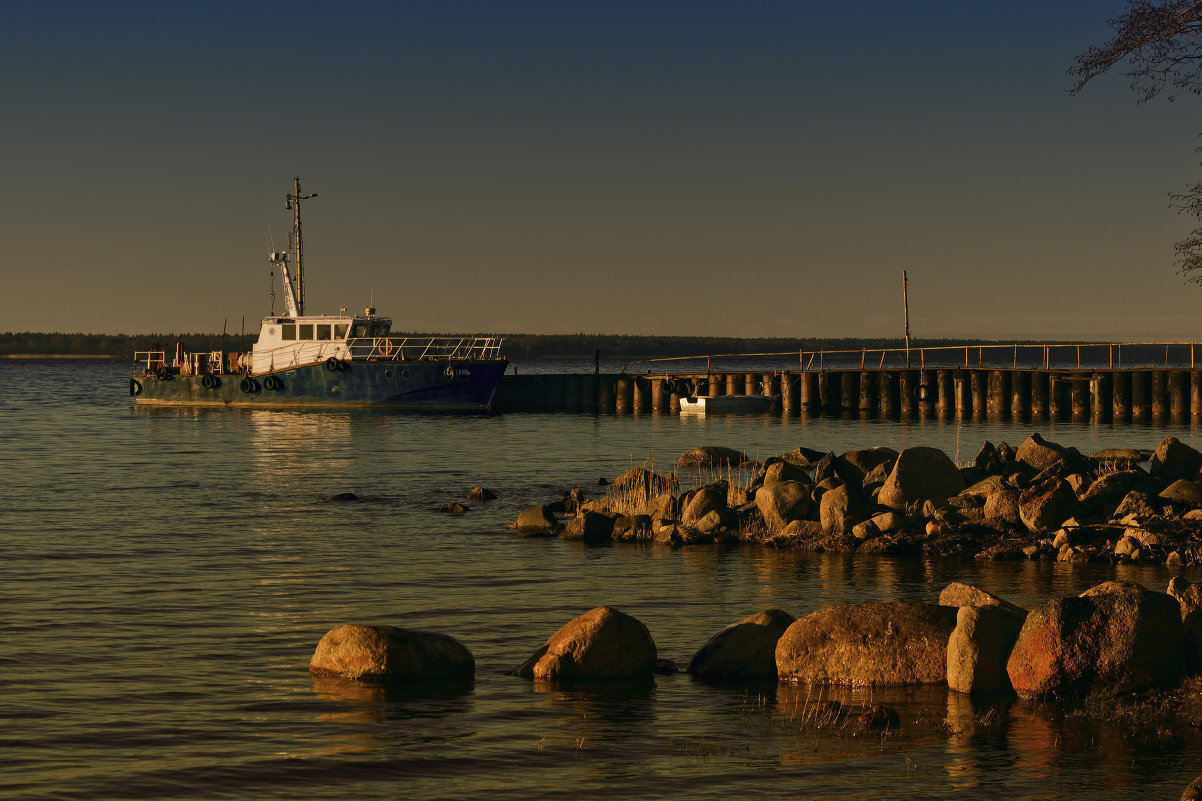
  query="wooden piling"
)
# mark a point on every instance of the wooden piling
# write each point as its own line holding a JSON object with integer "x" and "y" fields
{"x": 734, "y": 382}
{"x": 907, "y": 391}
{"x": 1079, "y": 397}
{"x": 810, "y": 394}
{"x": 978, "y": 381}
{"x": 1195, "y": 393}
{"x": 1178, "y": 394}
{"x": 788, "y": 393}
{"x": 869, "y": 396}
{"x": 605, "y": 394}
{"x": 642, "y": 394}
{"x": 887, "y": 390}
{"x": 962, "y": 393}
{"x": 1101, "y": 404}
{"x": 1160, "y": 393}
{"x": 996, "y": 400}
{"x": 1141, "y": 388}
{"x": 1040, "y": 395}
{"x": 1057, "y": 402}
{"x": 849, "y": 391}
{"x": 624, "y": 395}
{"x": 945, "y": 405}
{"x": 1020, "y": 395}
{"x": 928, "y": 389}
{"x": 1120, "y": 382}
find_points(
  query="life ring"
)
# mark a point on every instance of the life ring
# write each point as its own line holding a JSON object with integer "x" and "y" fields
{"x": 332, "y": 364}
{"x": 135, "y": 389}
{"x": 209, "y": 381}
{"x": 161, "y": 373}
{"x": 386, "y": 348}
{"x": 248, "y": 385}
{"x": 449, "y": 372}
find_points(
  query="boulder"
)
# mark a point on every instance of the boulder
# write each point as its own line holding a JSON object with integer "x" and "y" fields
{"x": 1174, "y": 459}
{"x": 1193, "y": 791}
{"x": 642, "y": 480}
{"x": 1183, "y": 491}
{"x": 603, "y": 643}
{"x": 1045, "y": 506}
{"x": 1119, "y": 458}
{"x": 853, "y": 466}
{"x": 709, "y": 456}
{"x": 979, "y": 647}
{"x": 840, "y": 510}
{"x": 1189, "y": 596}
{"x": 1136, "y": 504}
{"x": 707, "y": 499}
{"x": 632, "y": 528}
{"x": 742, "y": 651}
{"x": 1004, "y": 506}
{"x": 1114, "y": 638}
{"x": 454, "y": 508}
{"x": 784, "y": 471}
{"x": 589, "y": 527}
{"x": 661, "y": 507}
{"x": 537, "y": 520}
{"x": 481, "y": 494}
{"x": 958, "y": 595}
{"x": 889, "y": 521}
{"x": 803, "y": 457}
{"x": 1038, "y": 454}
{"x": 388, "y": 653}
{"x": 920, "y": 473}
{"x": 342, "y": 497}
{"x": 873, "y": 644}
{"x": 781, "y": 503}
{"x": 1109, "y": 489}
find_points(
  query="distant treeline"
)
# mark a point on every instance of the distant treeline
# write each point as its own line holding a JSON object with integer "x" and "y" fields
{"x": 516, "y": 346}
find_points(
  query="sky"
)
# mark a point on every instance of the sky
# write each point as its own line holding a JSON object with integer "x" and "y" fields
{"x": 666, "y": 168}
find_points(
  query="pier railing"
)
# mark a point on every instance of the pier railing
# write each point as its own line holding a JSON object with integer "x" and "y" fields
{"x": 1015, "y": 356}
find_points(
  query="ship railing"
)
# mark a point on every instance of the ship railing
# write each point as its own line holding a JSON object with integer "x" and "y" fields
{"x": 150, "y": 360}
{"x": 415, "y": 349}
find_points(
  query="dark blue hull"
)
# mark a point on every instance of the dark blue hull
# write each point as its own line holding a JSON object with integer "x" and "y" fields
{"x": 456, "y": 386}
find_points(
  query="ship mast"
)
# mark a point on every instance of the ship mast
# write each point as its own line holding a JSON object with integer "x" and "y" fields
{"x": 293, "y": 202}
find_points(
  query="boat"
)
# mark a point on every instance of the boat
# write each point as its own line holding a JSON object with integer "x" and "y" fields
{"x": 342, "y": 360}
{"x": 726, "y": 404}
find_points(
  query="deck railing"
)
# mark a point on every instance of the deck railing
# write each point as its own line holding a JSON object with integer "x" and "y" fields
{"x": 1017, "y": 356}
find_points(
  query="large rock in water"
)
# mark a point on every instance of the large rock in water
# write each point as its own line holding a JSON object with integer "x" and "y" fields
{"x": 840, "y": 510}
{"x": 1038, "y": 454}
{"x": 918, "y": 474}
{"x": 873, "y": 644}
{"x": 979, "y": 647}
{"x": 782, "y": 502}
{"x": 710, "y": 456}
{"x": 600, "y": 644}
{"x": 537, "y": 520}
{"x": 853, "y": 466}
{"x": 743, "y": 651}
{"x": 388, "y": 653}
{"x": 1113, "y": 638}
{"x": 708, "y": 499}
{"x": 1174, "y": 459}
{"x": 589, "y": 527}
{"x": 1045, "y": 506}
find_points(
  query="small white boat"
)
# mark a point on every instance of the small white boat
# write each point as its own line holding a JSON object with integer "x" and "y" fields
{"x": 726, "y": 404}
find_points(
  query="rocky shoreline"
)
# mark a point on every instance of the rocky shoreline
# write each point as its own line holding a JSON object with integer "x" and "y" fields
{"x": 1039, "y": 500}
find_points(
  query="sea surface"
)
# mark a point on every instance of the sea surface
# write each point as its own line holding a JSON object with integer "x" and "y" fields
{"x": 166, "y": 574}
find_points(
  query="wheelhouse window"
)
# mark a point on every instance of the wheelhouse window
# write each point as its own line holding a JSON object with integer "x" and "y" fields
{"x": 359, "y": 330}
{"x": 340, "y": 331}
{"x": 288, "y": 331}
{"x": 323, "y": 332}
{"x": 306, "y": 331}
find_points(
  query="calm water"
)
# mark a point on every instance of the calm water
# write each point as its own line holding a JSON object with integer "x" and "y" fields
{"x": 166, "y": 575}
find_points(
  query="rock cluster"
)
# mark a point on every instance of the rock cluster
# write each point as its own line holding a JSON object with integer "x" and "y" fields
{"x": 1040, "y": 500}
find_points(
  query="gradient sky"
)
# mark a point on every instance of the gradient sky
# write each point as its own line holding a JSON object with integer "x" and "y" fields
{"x": 707, "y": 168}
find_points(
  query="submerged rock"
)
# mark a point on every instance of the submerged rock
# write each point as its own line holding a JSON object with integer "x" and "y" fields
{"x": 742, "y": 651}
{"x": 388, "y": 653}
{"x": 603, "y": 643}
{"x": 873, "y": 644}
{"x": 1114, "y": 638}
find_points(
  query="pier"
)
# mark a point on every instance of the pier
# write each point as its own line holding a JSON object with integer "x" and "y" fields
{"x": 1111, "y": 382}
